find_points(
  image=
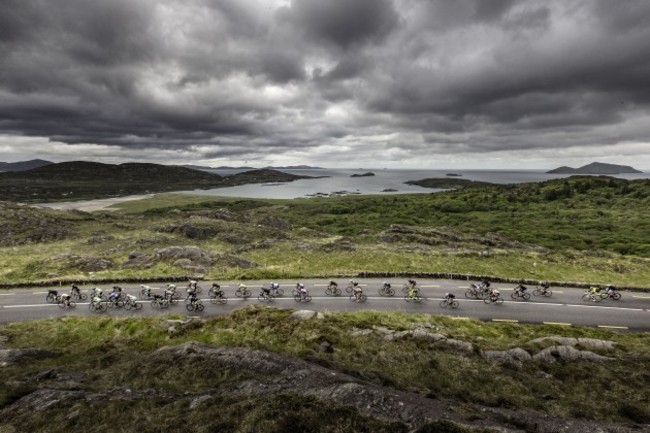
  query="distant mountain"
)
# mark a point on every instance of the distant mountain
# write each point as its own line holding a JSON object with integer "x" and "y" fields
{"x": 596, "y": 168}
{"x": 23, "y": 165}
{"x": 80, "y": 180}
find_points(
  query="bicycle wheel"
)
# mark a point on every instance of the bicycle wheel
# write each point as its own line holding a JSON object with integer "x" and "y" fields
{"x": 362, "y": 297}
{"x": 279, "y": 292}
{"x": 189, "y": 307}
{"x": 61, "y": 304}
{"x": 538, "y": 292}
{"x": 526, "y": 296}
{"x": 353, "y": 298}
{"x": 137, "y": 305}
{"x": 348, "y": 289}
{"x": 297, "y": 298}
{"x": 261, "y": 298}
{"x": 443, "y": 303}
{"x": 487, "y": 300}
{"x": 328, "y": 292}
{"x": 586, "y": 297}
{"x": 454, "y": 304}
{"x": 72, "y": 304}
{"x": 199, "y": 307}
{"x": 307, "y": 298}
{"x": 616, "y": 296}
{"x": 470, "y": 294}
{"x": 50, "y": 298}
{"x": 548, "y": 293}
{"x": 83, "y": 296}
{"x": 128, "y": 306}
{"x": 391, "y": 292}
{"x": 514, "y": 295}
{"x": 499, "y": 301}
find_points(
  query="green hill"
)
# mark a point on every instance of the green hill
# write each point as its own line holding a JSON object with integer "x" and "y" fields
{"x": 79, "y": 180}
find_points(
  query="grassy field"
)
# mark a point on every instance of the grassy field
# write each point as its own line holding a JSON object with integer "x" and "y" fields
{"x": 591, "y": 229}
{"x": 114, "y": 353}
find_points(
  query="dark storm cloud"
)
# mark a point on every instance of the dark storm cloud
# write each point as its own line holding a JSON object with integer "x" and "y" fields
{"x": 248, "y": 78}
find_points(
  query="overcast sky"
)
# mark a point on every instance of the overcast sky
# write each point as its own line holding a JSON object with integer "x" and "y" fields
{"x": 337, "y": 83}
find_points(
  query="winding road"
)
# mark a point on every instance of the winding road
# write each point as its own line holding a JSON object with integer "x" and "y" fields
{"x": 564, "y": 308}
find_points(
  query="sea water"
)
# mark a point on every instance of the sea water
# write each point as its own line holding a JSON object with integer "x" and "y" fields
{"x": 328, "y": 182}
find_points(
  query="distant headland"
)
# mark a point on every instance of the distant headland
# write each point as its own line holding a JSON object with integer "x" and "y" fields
{"x": 596, "y": 168}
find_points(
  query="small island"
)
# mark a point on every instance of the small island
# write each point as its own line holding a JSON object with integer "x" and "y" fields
{"x": 454, "y": 175}
{"x": 363, "y": 175}
{"x": 595, "y": 168}
{"x": 444, "y": 183}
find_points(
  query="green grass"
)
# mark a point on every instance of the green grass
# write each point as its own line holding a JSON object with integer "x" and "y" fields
{"x": 589, "y": 229}
{"x": 115, "y": 353}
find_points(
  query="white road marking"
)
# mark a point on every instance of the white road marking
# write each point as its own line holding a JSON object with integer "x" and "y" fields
{"x": 7, "y": 294}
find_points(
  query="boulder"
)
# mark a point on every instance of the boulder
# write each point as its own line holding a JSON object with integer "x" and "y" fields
{"x": 303, "y": 314}
{"x": 568, "y": 353}
{"x": 12, "y": 356}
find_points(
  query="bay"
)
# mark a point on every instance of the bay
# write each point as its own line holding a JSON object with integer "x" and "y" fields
{"x": 340, "y": 182}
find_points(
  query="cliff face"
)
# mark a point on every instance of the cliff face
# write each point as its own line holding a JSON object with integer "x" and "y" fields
{"x": 596, "y": 168}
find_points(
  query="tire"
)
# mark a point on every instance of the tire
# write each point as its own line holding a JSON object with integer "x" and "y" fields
{"x": 526, "y": 296}
{"x": 279, "y": 292}
{"x": 348, "y": 289}
{"x": 189, "y": 307}
{"x": 61, "y": 304}
{"x": 353, "y": 298}
{"x": 454, "y": 304}
{"x": 199, "y": 307}
{"x": 548, "y": 293}
{"x": 307, "y": 298}
{"x": 586, "y": 297}
{"x": 296, "y": 298}
{"x": 487, "y": 300}
{"x": 470, "y": 294}
{"x": 616, "y": 296}
{"x": 499, "y": 301}
{"x": 538, "y": 292}
{"x": 443, "y": 304}
{"x": 362, "y": 297}
{"x": 120, "y": 303}
{"x": 50, "y": 298}
{"x": 137, "y": 305}
{"x": 514, "y": 295}
{"x": 328, "y": 291}
{"x": 391, "y": 292}
{"x": 73, "y": 304}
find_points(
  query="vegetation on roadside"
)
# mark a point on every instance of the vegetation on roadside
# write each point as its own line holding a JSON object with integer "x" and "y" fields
{"x": 110, "y": 353}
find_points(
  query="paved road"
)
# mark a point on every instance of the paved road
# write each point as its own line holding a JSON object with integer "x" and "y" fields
{"x": 564, "y": 308}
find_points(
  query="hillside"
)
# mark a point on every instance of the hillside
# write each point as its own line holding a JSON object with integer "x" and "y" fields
{"x": 595, "y": 168}
{"x": 23, "y": 165}
{"x": 270, "y": 370}
{"x": 84, "y": 180}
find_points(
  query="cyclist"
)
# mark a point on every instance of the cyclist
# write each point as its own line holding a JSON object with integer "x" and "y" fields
{"x": 266, "y": 293}
{"x": 594, "y": 290}
{"x": 216, "y": 290}
{"x": 411, "y": 284}
{"x": 302, "y": 291}
{"x": 115, "y": 294}
{"x": 97, "y": 292}
{"x": 494, "y": 294}
{"x": 192, "y": 297}
{"x": 74, "y": 290}
{"x": 386, "y": 285}
{"x": 450, "y": 296}
{"x": 412, "y": 292}
{"x": 333, "y": 284}
{"x": 521, "y": 289}
{"x": 275, "y": 287}
{"x": 65, "y": 299}
{"x": 146, "y": 290}
{"x": 611, "y": 289}
{"x": 356, "y": 289}
{"x": 171, "y": 290}
{"x": 192, "y": 285}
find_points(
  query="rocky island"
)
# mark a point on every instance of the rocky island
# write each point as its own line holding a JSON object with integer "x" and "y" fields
{"x": 595, "y": 168}
{"x": 369, "y": 174}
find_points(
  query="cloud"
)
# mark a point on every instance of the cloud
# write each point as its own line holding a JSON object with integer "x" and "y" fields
{"x": 256, "y": 79}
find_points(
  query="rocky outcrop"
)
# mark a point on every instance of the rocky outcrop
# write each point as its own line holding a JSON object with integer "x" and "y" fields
{"x": 568, "y": 353}
{"x": 275, "y": 223}
{"x": 306, "y": 315}
{"x": 191, "y": 258}
{"x": 13, "y": 356}
{"x": 83, "y": 263}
